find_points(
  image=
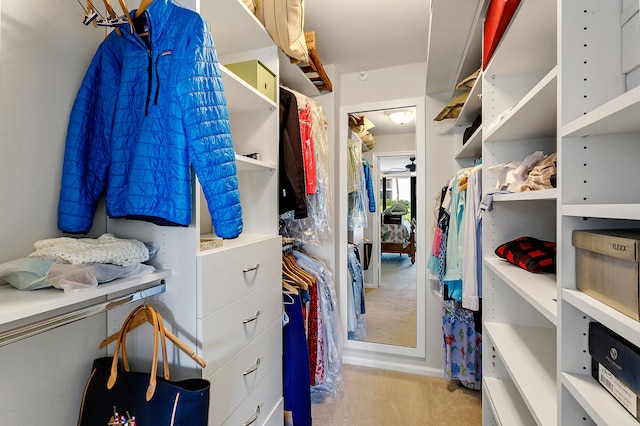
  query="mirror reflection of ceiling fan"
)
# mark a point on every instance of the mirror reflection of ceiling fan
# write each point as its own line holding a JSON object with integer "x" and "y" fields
{"x": 411, "y": 168}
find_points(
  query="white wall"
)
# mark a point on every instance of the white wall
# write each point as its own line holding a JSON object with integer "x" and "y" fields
{"x": 44, "y": 54}
{"x": 396, "y": 83}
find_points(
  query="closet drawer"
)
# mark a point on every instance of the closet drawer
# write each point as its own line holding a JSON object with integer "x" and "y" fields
{"x": 260, "y": 408}
{"x": 230, "y": 329}
{"x": 227, "y": 275}
{"x": 231, "y": 384}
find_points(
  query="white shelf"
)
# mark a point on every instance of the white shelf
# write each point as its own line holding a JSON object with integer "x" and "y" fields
{"x": 533, "y": 117}
{"x": 529, "y": 42}
{"x": 473, "y": 147}
{"x": 473, "y": 106}
{"x": 617, "y": 116}
{"x": 248, "y": 164}
{"x": 623, "y": 325}
{"x": 241, "y": 96}
{"x": 539, "y": 290}
{"x": 17, "y": 305}
{"x": 242, "y": 240}
{"x": 292, "y": 76}
{"x": 613, "y": 211}
{"x": 507, "y": 406}
{"x": 529, "y": 355}
{"x": 233, "y": 27}
{"x": 543, "y": 194}
{"x": 596, "y": 401}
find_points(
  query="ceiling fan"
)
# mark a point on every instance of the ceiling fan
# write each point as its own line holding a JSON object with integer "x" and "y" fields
{"x": 411, "y": 167}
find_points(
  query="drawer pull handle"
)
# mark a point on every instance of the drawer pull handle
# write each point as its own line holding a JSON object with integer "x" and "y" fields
{"x": 255, "y": 268}
{"x": 252, "y": 369}
{"x": 255, "y": 417}
{"x": 252, "y": 319}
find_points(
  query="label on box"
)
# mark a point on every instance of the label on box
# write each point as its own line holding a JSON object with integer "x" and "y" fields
{"x": 619, "y": 390}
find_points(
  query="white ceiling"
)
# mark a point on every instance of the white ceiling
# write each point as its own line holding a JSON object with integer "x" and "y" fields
{"x": 359, "y": 35}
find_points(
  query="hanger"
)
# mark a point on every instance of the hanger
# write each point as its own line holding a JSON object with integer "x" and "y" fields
{"x": 290, "y": 289}
{"x": 123, "y": 5}
{"x": 144, "y": 316}
{"x": 143, "y": 6}
{"x": 113, "y": 18}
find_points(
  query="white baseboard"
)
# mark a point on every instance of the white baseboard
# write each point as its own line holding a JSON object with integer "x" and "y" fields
{"x": 393, "y": 366}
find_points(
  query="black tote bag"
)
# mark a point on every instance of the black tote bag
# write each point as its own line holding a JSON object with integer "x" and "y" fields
{"x": 114, "y": 391}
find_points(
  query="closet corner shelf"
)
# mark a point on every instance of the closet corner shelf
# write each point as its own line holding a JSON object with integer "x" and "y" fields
{"x": 596, "y": 401}
{"x": 506, "y": 404}
{"x": 16, "y": 305}
{"x": 539, "y": 290}
{"x": 620, "y": 115}
{"x": 532, "y": 117}
{"x": 625, "y": 326}
{"x": 529, "y": 355}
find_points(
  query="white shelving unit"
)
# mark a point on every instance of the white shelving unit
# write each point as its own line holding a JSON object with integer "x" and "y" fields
{"x": 562, "y": 90}
{"x": 599, "y": 146}
{"x": 520, "y": 309}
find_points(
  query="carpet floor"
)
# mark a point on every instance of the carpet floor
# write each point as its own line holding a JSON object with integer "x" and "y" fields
{"x": 373, "y": 397}
{"x": 391, "y": 308}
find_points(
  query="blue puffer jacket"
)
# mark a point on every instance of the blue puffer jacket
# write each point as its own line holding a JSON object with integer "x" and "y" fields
{"x": 142, "y": 117}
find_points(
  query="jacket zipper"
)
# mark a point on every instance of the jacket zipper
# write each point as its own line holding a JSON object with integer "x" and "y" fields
{"x": 149, "y": 81}
{"x": 155, "y": 100}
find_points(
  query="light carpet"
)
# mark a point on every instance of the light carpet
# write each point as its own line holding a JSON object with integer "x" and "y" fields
{"x": 391, "y": 308}
{"x": 373, "y": 397}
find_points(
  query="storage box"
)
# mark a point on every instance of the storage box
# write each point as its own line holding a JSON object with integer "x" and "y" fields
{"x": 257, "y": 75}
{"x": 607, "y": 267}
{"x": 615, "y": 364}
{"x": 630, "y": 22}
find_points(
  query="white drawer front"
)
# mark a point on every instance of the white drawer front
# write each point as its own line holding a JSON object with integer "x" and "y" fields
{"x": 231, "y": 384}
{"x": 227, "y": 275}
{"x": 260, "y": 407}
{"x": 227, "y": 331}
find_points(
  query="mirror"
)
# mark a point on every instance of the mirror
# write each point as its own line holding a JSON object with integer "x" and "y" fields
{"x": 382, "y": 185}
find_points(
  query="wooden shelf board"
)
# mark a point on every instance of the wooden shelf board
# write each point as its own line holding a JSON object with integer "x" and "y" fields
{"x": 248, "y": 164}
{"x": 241, "y": 96}
{"x": 543, "y": 194}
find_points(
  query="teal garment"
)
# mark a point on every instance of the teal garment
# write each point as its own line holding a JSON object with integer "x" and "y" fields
{"x": 455, "y": 240}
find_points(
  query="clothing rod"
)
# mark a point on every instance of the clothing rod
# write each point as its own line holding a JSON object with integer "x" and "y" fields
{"x": 37, "y": 327}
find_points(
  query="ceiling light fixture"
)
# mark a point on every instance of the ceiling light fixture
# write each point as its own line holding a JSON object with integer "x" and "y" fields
{"x": 400, "y": 116}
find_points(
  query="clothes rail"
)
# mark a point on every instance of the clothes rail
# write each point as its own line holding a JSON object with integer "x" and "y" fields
{"x": 37, "y": 327}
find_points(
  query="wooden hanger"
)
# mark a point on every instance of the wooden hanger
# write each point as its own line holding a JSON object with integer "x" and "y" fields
{"x": 123, "y": 5}
{"x": 293, "y": 264}
{"x": 142, "y": 317}
{"x": 143, "y": 6}
{"x": 112, "y": 13}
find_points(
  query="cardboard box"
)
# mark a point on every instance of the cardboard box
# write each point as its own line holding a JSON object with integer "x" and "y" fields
{"x": 257, "y": 75}
{"x": 607, "y": 267}
{"x": 616, "y": 366}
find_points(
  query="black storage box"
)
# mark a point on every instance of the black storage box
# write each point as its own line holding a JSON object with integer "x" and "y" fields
{"x": 615, "y": 364}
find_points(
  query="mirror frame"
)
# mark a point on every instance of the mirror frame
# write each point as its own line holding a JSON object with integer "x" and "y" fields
{"x": 419, "y": 350}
